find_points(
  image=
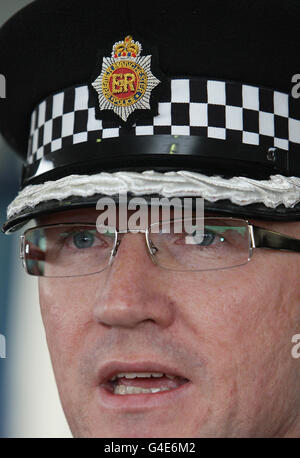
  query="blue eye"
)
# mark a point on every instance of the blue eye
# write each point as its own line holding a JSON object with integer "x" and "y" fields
{"x": 84, "y": 239}
{"x": 207, "y": 239}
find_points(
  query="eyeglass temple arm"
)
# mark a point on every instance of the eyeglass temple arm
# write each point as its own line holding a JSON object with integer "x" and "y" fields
{"x": 264, "y": 238}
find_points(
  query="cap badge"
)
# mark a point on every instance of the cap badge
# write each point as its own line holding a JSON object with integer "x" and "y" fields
{"x": 126, "y": 81}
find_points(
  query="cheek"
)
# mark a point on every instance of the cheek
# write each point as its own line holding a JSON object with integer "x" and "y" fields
{"x": 251, "y": 309}
{"x": 67, "y": 313}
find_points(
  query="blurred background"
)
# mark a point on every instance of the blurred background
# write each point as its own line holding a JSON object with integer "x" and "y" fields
{"x": 29, "y": 402}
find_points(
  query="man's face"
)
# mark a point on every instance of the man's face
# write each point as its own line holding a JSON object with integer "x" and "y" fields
{"x": 228, "y": 332}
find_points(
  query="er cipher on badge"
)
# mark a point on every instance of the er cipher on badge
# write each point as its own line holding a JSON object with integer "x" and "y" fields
{"x": 126, "y": 81}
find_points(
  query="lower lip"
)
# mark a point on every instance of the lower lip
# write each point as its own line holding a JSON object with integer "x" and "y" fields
{"x": 136, "y": 402}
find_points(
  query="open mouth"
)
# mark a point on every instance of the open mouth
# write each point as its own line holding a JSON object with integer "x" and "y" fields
{"x": 126, "y": 383}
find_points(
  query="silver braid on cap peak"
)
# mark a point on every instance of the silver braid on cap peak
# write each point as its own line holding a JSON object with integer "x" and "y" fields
{"x": 239, "y": 190}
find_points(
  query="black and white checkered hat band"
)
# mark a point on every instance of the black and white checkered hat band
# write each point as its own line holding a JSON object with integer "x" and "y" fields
{"x": 224, "y": 110}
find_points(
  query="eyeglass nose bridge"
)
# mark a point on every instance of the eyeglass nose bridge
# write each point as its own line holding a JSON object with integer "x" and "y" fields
{"x": 151, "y": 248}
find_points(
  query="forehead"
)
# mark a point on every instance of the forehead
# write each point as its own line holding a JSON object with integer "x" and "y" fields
{"x": 90, "y": 215}
{"x": 147, "y": 213}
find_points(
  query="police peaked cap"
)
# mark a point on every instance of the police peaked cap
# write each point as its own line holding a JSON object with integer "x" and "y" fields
{"x": 164, "y": 98}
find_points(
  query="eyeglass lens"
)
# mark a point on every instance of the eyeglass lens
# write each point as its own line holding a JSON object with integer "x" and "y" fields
{"x": 75, "y": 250}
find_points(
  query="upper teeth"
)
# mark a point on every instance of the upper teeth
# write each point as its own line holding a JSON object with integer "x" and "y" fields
{"x": 140, "y": 374}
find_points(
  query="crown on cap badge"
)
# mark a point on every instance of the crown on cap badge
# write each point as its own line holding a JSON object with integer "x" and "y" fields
{"x": 126, "y": 81}
{"x": 126, "y": 49}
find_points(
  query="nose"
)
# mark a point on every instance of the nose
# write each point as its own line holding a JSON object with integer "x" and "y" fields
{"x": 134, "y": 289}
